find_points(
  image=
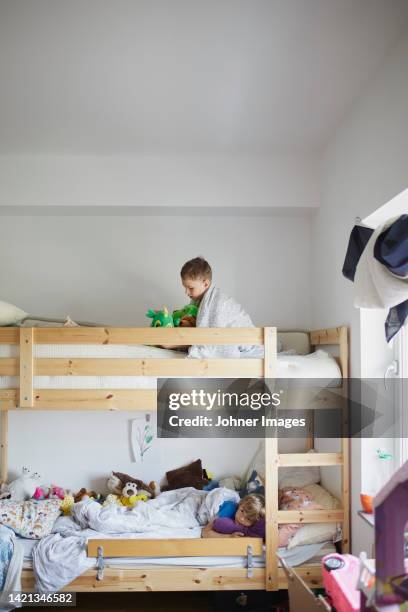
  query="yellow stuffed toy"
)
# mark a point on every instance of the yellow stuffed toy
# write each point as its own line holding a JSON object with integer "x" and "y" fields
{"x": 130, "y": 497}
{"x": 66, "y": 504}
{"x": 132, "y": 500}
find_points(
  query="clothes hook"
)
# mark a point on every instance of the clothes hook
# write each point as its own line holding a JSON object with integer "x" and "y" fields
{"x": 391, "y": 369}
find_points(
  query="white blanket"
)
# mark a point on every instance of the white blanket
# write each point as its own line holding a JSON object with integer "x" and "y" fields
{"x": 218, "y": 310}
{"x": 374, "y": 285}
{"x": 61, "y": 557}
{"x": 13, "y": 578}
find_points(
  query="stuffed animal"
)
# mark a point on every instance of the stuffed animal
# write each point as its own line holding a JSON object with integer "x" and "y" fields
{"x": 84, "y": 494}
{"x": 160, "y": 318}
{"x": 23, "y": 488}
{"x": 66, "y": 504}
{"x": 117, "y": 481}
{"x": 189, "y": 312}
{"x": 255, "y": 484}
{"x": 56, "y": 492}
{"x": 111, "y": 499}
{"x": 212, "y": 484}
{"x": 231, "y": 482}
{"x": 41, "y": 493}
{"x": 130, "y": 496}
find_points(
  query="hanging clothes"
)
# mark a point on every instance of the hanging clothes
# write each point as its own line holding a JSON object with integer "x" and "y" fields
{"x": 377, "y": 261}
{"x": 359, "y": 237}
{"x": 391, "y": 249}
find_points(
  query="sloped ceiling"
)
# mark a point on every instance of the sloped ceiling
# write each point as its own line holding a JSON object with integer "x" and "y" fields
{"x": 186, "y": 76}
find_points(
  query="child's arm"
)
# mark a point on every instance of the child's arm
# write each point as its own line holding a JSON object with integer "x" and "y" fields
{"x": 209, "y": 532}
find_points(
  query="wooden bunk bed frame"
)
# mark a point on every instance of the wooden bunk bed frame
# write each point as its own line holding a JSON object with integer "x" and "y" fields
{"x": 272, "y": 577}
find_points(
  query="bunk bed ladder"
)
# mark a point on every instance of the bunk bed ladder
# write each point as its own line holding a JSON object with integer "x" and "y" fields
{"x": 271, "y": 473}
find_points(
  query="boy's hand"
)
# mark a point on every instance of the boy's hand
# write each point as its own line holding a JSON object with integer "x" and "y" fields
{"x": 188, "y": 321}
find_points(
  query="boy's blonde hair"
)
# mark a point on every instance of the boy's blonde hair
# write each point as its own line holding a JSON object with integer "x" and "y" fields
{"x": 254, "y": 507}
{"x": 197, "y": 268}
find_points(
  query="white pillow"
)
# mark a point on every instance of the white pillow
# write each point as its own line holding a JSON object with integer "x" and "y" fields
{"x": 10, "y": 314}
{"x": 313, "y": 533}
{"x": 319, "y": 364}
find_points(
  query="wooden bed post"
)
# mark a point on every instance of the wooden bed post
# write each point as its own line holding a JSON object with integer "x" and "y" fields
{"x": 26, "y": 368}
{"x": 345, "y": 444}
{"x": 271, "y": 474}
{"x": 4, "y": 442}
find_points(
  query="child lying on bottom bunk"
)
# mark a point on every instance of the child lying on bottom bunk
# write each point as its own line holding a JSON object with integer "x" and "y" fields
{"x": 249, "y": 519}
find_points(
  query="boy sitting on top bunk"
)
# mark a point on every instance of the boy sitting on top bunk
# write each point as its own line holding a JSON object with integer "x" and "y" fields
{"x": 215, "y": 309}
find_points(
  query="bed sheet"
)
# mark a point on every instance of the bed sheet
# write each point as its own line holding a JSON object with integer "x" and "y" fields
{"x": 319, "y": 364}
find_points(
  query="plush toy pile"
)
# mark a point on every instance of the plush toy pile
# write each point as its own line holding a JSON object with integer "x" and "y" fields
{"x": 184, "y": 317}
{"x": 124, "y": 490}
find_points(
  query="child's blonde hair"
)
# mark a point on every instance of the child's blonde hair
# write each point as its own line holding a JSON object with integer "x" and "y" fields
{"x": 254, "y": 507}
{"x": 197, "y": 268}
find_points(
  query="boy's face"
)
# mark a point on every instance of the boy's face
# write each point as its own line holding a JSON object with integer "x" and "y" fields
{"x": 195, "y": 288}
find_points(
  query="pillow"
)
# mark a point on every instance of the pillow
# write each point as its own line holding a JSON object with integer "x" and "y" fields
{"x": 10, "y": 314}
{"x": 319, "y": 364}
{"x": 188, "y": 476}
{"x": 30, "y": 519}
{"x": 314, "y": 533}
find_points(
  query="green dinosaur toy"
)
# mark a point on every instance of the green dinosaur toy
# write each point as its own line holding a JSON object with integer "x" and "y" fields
{"x": 160, "y": 318}
{"x": 188, "y": 311}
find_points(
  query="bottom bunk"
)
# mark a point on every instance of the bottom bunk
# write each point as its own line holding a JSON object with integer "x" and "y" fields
{"x": 187, "y": 573}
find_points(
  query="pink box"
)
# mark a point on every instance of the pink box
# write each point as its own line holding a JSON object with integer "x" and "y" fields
{"x": 340, "y": 578}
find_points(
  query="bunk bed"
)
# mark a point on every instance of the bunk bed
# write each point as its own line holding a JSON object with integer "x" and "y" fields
{"x": 26, "y": 365}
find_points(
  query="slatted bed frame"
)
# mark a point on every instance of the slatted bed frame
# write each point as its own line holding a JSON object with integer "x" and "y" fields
{"x": 272, "y": 577}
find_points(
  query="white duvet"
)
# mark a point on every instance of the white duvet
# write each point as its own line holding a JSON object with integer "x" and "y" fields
{"x": 61, "y": 557}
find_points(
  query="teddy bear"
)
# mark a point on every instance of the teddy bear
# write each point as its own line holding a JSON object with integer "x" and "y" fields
{"x": 117, "y": 480}
{"x": 84, "y": 494}
{"x": 130, "y": 496}
{"x": 22, "y": 488}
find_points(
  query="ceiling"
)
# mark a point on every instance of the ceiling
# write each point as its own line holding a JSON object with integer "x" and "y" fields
{"x": 186, "y": 76}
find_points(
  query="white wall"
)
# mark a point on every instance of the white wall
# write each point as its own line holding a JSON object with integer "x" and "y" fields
{"x": 111, "y": 270}
{"x": 195, "y": 180}
{"x": 365, "y": 165}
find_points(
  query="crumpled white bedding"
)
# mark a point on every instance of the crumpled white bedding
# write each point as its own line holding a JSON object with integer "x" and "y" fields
{"x": 219, "y": 310}
{"x": 61, "y": 557}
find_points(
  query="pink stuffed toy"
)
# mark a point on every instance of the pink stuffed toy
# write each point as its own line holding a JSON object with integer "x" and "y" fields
{"x": 40, "y": 493}
{"x": 56, "y": 492}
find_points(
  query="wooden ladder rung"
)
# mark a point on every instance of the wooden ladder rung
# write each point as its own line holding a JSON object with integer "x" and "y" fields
{"x": 309, "y": 459}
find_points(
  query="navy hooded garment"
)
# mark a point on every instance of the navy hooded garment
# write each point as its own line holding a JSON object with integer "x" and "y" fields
{"x": 391, "y": 250}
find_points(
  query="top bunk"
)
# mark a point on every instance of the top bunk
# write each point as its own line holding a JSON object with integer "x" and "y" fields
{"x": 113, "y": 368}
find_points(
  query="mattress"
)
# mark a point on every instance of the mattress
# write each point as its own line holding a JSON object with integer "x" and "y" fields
{"x": 319, "y": 364}
{"x": 311, "y": 554}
